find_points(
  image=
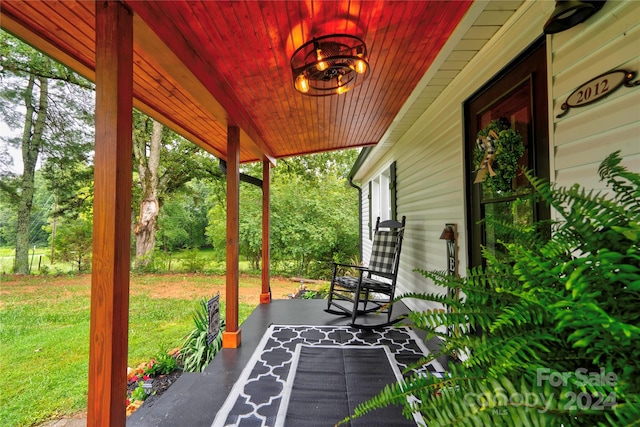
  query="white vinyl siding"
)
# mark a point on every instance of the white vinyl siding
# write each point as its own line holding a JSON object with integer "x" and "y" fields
{"x": 586, "y": 135}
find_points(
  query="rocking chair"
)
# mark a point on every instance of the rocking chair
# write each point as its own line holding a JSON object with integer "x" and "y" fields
{"x": 349, "y": 295}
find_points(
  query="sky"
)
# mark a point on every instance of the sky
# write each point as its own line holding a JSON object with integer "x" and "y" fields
{"x": 5, "y": 132}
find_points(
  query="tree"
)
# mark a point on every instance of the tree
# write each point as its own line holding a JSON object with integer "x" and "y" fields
{"x": 49, "y": 120}
{"x": 74, "y": 240}
{"x": 315, "y": 211}
{"x": 42, "y": 207}
{"x": 8, "y": 221}
{"x": 31, "y": 147}
{"x": 250, "y": 243}
{"x": 314, "y": 215}
{"x": 165, "y": 163}
{"x": 182, "y": 220}
{"x": 70, "y": 196}
{"x": 147, "y": 157}
{"x": 314, "y": 166}
{"x": 314, "y": 222}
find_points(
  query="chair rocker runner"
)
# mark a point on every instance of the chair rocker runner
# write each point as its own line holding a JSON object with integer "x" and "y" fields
{"x": 373, "y": 286}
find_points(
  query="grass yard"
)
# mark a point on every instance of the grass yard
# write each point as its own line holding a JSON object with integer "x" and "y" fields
{"x": 44, "y": 334}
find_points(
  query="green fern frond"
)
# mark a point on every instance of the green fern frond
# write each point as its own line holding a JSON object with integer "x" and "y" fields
{"x": 624, "y": 183}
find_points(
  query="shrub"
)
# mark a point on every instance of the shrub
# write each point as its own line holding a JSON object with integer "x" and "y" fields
{"x": 162, "y": 364}
{"x": 139, "y": 393}
{"x": 196, "y": 353}
{"x": 551, "y": 332}
{"x": 309, "y": 295}
{"x": 193, "y": 262}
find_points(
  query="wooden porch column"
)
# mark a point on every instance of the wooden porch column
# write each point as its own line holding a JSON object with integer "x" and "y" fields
{"x": 111, "y": 216}
{"x": 265, "y": 296}
{"x": 231, "y": 336}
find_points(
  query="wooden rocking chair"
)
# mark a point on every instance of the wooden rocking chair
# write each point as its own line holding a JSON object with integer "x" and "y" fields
{"x": 372, "y": 289}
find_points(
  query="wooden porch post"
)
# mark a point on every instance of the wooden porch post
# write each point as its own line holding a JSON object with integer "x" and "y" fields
{"x": 231, "y": 336}
{"x": 111, "y": 216}
{"x": 265, "y": 296}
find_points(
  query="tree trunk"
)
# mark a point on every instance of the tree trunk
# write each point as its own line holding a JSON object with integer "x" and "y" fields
{"x": 31, "y": 147}
{"x": 147, "y": 224}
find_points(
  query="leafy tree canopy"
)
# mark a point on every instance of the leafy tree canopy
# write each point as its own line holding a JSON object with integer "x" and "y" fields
{"x": 314, "y": 215}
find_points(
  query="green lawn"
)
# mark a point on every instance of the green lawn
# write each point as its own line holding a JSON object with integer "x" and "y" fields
{"x": 44, "y": 336}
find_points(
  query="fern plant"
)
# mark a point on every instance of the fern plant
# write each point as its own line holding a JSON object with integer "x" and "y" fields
{"x": 552, "y": 332}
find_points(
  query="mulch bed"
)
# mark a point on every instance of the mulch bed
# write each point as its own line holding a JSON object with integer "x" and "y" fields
{"x": 159, "y": 385}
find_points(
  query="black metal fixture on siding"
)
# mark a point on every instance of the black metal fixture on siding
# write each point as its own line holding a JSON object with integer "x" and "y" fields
{"x": 569, "y": 13}
{"x": 330, "y": 65}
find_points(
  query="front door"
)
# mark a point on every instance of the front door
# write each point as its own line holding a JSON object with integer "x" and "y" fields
{"x": 515, "y": 99}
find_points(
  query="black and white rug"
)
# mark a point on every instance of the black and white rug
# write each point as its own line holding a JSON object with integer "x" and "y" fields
{"x": 316, "y": 375}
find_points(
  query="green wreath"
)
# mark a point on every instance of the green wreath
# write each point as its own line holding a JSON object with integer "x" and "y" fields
{"x": 495, "y": 157}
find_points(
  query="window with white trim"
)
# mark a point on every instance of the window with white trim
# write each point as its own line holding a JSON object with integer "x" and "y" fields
{"x": 382, "y": 197}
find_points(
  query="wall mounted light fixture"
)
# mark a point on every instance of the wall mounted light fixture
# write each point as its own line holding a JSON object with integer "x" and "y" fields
{"x": 569, "y": 13}
{"x": 449, "y": 234}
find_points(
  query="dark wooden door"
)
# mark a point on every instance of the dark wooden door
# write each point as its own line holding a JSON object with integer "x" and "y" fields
{"x": 518, "y": 96}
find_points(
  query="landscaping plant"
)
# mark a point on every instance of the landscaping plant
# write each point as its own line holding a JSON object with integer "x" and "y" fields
{"x": 196, "y": 353}
{"x": 139, "y": 392}
{"x": 163, "y": 364}
{"x": 551, "y": 334}
{"x": 141, "y": 380}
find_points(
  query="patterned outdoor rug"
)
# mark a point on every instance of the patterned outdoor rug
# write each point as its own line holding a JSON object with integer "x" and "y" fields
{"x": 316, "y": 375}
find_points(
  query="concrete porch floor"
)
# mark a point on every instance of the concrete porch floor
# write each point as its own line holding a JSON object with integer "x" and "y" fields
{"x": 195, "y": 398}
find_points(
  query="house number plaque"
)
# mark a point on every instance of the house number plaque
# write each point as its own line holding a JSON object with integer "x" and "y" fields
{"x": 598, "y": 88}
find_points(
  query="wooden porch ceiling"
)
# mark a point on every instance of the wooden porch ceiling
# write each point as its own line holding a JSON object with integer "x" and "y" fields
{"x": 202, "y": 65}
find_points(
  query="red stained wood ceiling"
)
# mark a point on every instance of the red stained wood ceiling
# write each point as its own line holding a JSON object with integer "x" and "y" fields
{"x": 200, "y": 66}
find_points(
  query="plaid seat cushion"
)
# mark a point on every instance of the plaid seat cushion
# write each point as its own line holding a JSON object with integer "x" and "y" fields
{"x": 383, "y": 251}
{"x": 351, "y": 283}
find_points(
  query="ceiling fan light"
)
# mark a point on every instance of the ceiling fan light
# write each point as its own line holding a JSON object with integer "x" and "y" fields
{"x": 361, "y": 66}
{"x": 302, "y": 83}
{"x": 342, "y": 88}
{"x": 321, "y": 65}
{"x": 330, "y": 65}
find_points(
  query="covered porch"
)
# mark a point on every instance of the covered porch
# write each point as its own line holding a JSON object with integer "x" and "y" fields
{"x": 220, "y": 74}
{"x": 195, "y": 399}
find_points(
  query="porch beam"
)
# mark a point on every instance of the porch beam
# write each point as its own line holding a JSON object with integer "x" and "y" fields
{"x": 265, "y": 296}
{"x": 111, "y": 216}
{"x": 231, "y": 336}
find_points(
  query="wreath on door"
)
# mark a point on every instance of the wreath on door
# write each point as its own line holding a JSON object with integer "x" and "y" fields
{"x": 495, "y": 157}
